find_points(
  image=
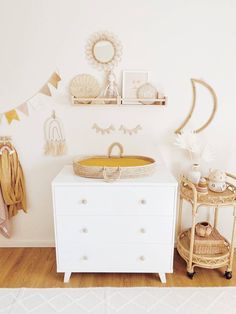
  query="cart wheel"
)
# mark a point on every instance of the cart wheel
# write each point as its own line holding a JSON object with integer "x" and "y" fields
{"x": 228, "y": 274}
{"x": 190, "y": 275}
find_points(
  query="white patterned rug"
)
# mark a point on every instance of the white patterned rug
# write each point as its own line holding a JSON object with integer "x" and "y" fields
{"x": 118, "y": 300}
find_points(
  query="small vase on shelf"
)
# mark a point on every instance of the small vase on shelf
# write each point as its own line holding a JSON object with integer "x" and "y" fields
{"x": 194, "y": 174}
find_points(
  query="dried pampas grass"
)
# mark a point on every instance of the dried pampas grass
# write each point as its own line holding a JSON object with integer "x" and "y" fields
{"x": 189, "y": 141}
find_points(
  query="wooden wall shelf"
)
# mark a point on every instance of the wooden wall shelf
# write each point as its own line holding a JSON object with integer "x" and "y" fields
{"x": 117, "y": 101}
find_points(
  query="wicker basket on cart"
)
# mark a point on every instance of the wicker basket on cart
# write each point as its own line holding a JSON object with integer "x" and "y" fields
{"x": 215, "y": 243}
{"x": 111, "y": 168}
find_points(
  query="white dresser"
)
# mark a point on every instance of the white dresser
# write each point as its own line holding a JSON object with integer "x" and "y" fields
{"x": 126, "y": 226}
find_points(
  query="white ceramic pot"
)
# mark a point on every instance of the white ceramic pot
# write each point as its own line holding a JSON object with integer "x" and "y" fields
{"x": 194, "y": 174}
{"x": 217, "y": 186}
{"x": 217, "y": 180}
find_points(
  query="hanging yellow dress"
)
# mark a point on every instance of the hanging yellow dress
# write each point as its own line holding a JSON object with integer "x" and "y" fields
{"x": 12, "y": 181}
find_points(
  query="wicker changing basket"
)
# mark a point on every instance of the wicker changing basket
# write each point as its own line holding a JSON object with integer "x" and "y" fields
{"x": 215, "y": 243}
{"x": 111, "y": 168}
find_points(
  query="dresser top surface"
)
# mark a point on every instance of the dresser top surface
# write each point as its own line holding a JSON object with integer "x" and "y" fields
{"x": 162, "y": 176}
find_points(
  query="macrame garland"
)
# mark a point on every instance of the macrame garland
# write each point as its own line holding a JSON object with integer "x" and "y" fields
{"x": 55, "y": 143}
{"x": 135, "y": 130}
{"x": 103, "y": 131}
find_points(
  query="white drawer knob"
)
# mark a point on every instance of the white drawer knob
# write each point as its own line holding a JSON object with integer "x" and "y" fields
{"x": 85, "y": 230}
{"x": 143, "y": 201}
{"x": 84, "y": 201}
{"x": 142, "y": 230}
{"x": 142, "y": 258}
{"x": 85, "y": 258}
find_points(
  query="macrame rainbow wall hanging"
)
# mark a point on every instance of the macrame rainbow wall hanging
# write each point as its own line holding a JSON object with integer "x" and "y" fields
{"x": 55, "y": 143}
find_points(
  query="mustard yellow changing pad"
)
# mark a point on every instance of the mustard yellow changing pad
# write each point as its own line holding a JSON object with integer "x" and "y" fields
{"x": 116, "y": 162}
{"x": 112, "y": 168}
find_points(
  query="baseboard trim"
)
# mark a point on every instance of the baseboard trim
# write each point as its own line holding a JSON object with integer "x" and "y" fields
{"x": 12, "y": 243}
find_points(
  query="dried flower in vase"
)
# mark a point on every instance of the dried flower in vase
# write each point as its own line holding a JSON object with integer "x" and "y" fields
{"x": 207, "y": 154}
{"x": 189, "y": 141}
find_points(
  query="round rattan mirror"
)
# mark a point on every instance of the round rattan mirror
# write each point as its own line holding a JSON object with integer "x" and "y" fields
{"x": 104, "y": 50}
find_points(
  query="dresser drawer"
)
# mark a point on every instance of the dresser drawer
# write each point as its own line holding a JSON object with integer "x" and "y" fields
{"x": 114, "y": 200}
{"x": 120, "y": 229}
{"x": 116, "y": 258}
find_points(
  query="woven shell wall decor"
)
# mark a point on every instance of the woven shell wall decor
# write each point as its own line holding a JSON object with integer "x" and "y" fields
{"x": 85, "y": 86}
{"x": 55, "y": 143}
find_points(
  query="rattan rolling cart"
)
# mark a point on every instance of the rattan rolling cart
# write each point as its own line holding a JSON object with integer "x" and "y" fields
{"x": 186, "y": 241}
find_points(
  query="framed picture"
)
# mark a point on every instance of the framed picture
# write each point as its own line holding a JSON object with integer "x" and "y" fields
{"x": 132, "y": 80}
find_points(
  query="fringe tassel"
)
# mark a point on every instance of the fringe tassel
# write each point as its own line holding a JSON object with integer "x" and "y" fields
{"x": 55, "y": 147}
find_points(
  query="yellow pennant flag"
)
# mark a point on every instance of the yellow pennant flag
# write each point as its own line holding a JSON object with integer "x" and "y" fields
{"x": 45, "y": 90}
{"x": 54, "y": 79}
{"x": 11, "y": 115}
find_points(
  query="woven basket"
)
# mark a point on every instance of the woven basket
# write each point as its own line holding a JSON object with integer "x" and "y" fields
{"x": 203, "y": 229}
{"x": 215, "y": 243}
{"x": 112, "y": 168}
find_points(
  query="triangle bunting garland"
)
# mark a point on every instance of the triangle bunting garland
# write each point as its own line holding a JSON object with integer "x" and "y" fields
{"x": 24, "y": 107}
{"x": 54, "y": 79}
{"x": 45, "y": 90}
{"x": 11, "y": 115}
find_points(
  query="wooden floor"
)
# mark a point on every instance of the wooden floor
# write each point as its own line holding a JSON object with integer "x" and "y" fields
{"x": 36, "y": 268}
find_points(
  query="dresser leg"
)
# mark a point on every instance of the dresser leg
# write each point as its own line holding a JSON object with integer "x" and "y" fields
{"x": 162, "y": 277}
{"x": 67, "y": 277}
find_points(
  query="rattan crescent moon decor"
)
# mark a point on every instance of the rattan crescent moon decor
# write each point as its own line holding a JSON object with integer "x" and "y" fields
{"x": 214, "y": 98}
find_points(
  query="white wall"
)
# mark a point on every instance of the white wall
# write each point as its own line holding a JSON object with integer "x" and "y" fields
{"x": 175, "y": 40}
